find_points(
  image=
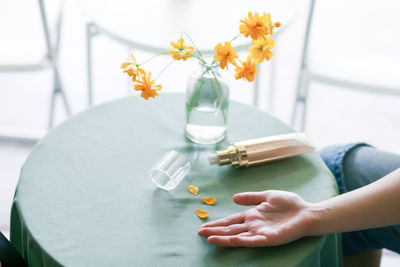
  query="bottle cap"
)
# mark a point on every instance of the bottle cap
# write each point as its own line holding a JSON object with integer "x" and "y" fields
{"x": 170, "y": 170}
{"x": 213, "y": 159}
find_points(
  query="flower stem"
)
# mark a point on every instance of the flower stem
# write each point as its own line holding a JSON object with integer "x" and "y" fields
{"x": 197, "y": 49}
{"x": 194, "y": 96}
{"x": 156, "y": 55}
{"x": 221, "y": 101}
{"x": 193, "y": 55}
{"x": 164, "y": 69}
{"x": 234, "y": 38}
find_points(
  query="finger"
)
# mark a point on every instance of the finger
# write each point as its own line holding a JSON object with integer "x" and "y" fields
{"x": 223, "y": 230}
{"x": 245, "y": 234}
{"x": 239, "y": 241}
{"x": 250, "y": 198}
{"x": 233, "y": 219}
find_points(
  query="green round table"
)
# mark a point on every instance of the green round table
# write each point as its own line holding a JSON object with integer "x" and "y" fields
{"x": 85, "y": 198}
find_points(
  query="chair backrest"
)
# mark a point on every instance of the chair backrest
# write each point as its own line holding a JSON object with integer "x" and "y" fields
{"x": 364, "y": 31}
{"x": 9, "y": 256}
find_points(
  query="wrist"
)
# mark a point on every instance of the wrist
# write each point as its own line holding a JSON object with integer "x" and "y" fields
{"x": 317, "y": 213}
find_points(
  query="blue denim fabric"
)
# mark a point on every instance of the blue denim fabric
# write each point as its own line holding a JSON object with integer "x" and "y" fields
{"x": 354, "y": 166}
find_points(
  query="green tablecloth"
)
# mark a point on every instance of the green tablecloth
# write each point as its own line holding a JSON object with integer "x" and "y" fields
{"x": 85, "y": 197}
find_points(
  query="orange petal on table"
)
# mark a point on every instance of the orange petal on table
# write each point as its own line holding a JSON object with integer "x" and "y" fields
{"x": 209, "y": 200}
{"x": 193, "y": 189}
{"x": 202, "y": 214}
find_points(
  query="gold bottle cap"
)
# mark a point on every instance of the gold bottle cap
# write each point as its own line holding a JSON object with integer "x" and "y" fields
{"x": 213, "y": 159}
{"x": 226, "y": 156}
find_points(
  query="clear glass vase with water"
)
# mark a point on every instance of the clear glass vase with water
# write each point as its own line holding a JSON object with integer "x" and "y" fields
{"x": 207, "y": 101}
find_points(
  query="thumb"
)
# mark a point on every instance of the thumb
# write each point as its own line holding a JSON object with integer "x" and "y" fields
{"x": 250, "y": 198}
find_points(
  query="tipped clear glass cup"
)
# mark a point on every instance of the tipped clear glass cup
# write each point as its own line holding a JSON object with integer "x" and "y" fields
{"x": 170, "y": 170}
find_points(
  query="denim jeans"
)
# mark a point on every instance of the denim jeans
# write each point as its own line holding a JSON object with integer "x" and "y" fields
{"x": 354, "y": 166}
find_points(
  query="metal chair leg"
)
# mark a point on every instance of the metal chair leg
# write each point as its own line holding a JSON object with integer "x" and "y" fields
{"x": 304, "y": 97}
{"x": 271, "y": 82}
{"x": 91, "y": 31}
{"x": 52, "y": 104}
{"x": 256, "y": 95}
{"x": 302, "y": 84}
{"x": 60, "y": 90}
{"x": 65, "y": 101}
{"x": 300, "y": 101}
{"x": 296, "y": 101}
{"x": 57, "y": 90}
{"x": 52, "y": 51}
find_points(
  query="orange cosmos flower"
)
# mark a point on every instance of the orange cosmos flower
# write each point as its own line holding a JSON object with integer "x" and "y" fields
{"x": 247, "y": 71}
{"x": 131, "y": 68}
{"x": 147, "y": 86}
{"x": 180, "y": 50}
{"x": 261, "y": 49}
{"x": 256, "y": 26}
{"x": 225, "y": 53}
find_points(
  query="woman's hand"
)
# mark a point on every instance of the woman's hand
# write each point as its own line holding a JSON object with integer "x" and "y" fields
{"x": 279, "y": 217}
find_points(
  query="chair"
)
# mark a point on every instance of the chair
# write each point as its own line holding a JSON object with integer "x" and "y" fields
{"x": 9, "y": 256}
{"x": 48, "y": 62}
{"x": 371, "y": 64}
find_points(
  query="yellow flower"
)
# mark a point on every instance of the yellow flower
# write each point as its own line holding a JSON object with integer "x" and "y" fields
{"x": 180, "y": 50}
{"x": 247, "y": 71}
{"x": 131, "y": 68}
{"x": 147, "y": 86}
{"x": 225, "y": 53}
{"x": 261, "y": 49}
{"x": 277, "y": 24}
{"x": 256, "y": 26}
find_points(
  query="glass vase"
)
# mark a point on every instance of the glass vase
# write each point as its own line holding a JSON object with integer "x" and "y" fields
{"x": 207, "y": 100}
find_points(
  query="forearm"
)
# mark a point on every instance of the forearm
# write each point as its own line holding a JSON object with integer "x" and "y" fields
{"x": 374, "y": 205}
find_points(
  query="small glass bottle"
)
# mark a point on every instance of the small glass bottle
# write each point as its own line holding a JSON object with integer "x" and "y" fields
{"x": 207, "y": 101}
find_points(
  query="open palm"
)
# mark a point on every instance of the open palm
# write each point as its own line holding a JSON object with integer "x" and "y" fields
{"x": 279, "y": 217}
